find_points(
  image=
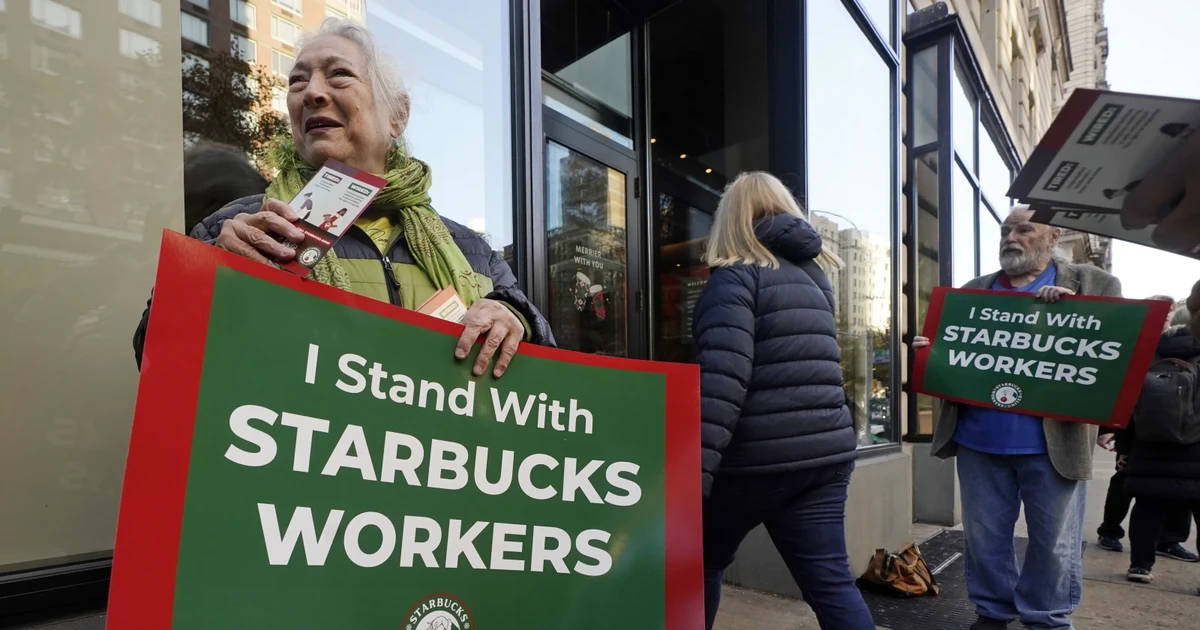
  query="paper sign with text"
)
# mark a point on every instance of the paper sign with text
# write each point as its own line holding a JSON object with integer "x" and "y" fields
{"x": 1081, "y": 359}
{"x": 302, "y": 457}
{"x": 327, "y": 206}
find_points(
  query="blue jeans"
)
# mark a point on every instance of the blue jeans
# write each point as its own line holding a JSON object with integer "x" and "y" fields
{"x": 1045, "y": 592}
{"x": 805, "y": 514}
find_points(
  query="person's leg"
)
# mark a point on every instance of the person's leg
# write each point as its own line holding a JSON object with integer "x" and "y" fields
{"x": 1051, "y": 582}
{"x": 810, "y": 533}
{"x": 1145, "y": 527}
{"x": 1178, "y": 526}
{"x": 730, "y": 512}
{"x": 990, "y": 506}
{"x": 1116, "y": 508}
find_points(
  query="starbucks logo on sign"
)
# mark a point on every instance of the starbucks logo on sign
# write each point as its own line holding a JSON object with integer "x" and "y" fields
{"x": 439, "y": 612}
{"x": 310, "y": 256}
{"x": 1006, "y": 395}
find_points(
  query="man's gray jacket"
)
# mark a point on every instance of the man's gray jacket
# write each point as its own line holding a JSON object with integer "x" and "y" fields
{"x": 1069, "y": 444}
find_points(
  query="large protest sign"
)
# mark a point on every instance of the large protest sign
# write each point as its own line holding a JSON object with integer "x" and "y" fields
{"x": 1081, "y": 359}
{"x": 305, "y": 458}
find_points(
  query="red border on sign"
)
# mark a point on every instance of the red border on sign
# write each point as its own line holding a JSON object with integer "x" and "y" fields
{"x": 1131, "y": 387}
{"x": 142, "y": 590}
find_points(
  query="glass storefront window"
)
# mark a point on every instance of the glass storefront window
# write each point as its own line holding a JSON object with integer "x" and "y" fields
{"x": 92, "y": 174}
{"x": 922, "y": 81}
{"x": 994, "y": 175}
{"x": 963, "y": 115}
{"x": 880, "y": 12}
{"x": 457, "y": 65}
{"x": 708, "y": 58}
{"x": 928, "y": 272}
{"x": 850, "y": 198}
{"x": 962, "y": 220}
{"x": 587, "y": 66}
{"x": 989, "y": 240}
{"x": 585, "y": 244}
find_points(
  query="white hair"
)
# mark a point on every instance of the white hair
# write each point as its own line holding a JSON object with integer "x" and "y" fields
{"x": 382, "y": 72}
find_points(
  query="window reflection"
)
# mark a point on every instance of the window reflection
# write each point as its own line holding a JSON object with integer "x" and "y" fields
{"x": 963, "y": 114}
{"x": 91, "y": 176}
{"x": 989, "y": 239}
{"x": 994, "y": 174}
{"x": 928, "y": 272}
{"x": 707, "y": 58}
{"x": 922, "y": 80}
{"x": 456, "y": 64}
{"x": 880, "y": 12}
{"x": 586, "y": 66}
{"x": 850, "y": 199}
{"x": 585, "y": 244}
{"x": 962, "y": 220}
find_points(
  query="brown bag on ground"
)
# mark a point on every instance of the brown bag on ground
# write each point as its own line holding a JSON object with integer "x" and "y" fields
{"x": 902, "y": 574}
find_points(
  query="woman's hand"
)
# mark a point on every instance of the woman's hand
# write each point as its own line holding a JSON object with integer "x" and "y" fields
{"x": 504, "y": 333}
{"x": 1051, "y": 295}
{"x": 249, "y": 235}
{"x": 919, "y": 342}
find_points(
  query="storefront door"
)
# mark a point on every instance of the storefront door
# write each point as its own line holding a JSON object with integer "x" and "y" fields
{"x": 594, "y": 289}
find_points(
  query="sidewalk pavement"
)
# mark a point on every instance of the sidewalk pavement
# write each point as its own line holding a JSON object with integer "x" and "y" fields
{"x": 1110, "y": 602}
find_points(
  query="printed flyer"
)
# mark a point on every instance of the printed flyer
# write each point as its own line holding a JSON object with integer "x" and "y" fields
{"x": 328, "y": 205}
{"x": 1101, "y": 146}
{"x": 302, "y": 457}
{"x": 1081, "y": 359}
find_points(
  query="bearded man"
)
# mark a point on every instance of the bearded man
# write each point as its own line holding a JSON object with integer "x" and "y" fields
{"x": 1007, "y": 458}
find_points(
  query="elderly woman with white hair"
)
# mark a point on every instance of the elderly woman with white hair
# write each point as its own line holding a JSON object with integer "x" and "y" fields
{"x": 346, "y": 102}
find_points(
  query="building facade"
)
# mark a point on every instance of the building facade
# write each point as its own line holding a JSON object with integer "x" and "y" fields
{"x": 587, "y": 140}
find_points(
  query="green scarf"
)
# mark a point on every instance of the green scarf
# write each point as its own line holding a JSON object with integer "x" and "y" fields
{"x": 406, "y": 193}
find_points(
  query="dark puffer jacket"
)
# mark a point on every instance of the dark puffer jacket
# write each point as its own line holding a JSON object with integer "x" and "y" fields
{"x": 1160, "y": 470}
{"x": 770, "y": 382}
{"x": 356, "y": 247}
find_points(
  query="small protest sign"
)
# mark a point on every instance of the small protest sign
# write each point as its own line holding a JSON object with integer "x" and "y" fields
{"x": 302, "y": 457}
{"x": 1081, "y": 359}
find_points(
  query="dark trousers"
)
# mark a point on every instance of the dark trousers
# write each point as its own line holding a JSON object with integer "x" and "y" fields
{"x": 1147, "y": 523}
{"x": 805, "y": 513}
{"x": 1177, "y": 528}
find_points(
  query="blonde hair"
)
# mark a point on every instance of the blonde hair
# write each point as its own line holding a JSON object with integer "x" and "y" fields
{"x": 754, "y": 195}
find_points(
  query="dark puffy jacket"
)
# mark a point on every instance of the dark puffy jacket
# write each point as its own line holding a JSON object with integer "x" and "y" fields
{"x": 1161, "y": 470}
{"x": 770, "y": 383}
{"x": 356, "y": 245}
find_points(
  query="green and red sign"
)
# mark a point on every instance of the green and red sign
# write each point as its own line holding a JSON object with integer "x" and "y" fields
{"x": 303, "y": 457}
{"x": 1081, "y": 359}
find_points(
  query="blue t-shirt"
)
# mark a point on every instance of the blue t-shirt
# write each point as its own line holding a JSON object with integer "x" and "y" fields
{"x": 1004, "y": 432}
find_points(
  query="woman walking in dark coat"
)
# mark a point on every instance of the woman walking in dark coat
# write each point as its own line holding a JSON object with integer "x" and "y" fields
{"x": 1163, "y": 477}
{"x": 778, "y": 442}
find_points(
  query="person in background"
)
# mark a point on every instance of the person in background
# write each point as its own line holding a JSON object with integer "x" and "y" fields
{"x": 778, "y": 444}
{"x": 1006, "y": 459}
{"x": 346, "y": 102}
{"x": 213, "y": 175}
{"x": 1164, "y": 478}
{"x": 1118, "y": 500}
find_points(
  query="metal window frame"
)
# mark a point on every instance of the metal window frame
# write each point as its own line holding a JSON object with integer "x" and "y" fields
{"x": 948, "y": 35}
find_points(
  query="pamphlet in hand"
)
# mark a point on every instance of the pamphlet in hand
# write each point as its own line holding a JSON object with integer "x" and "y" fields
{"x": 1097, "y": 151}
{"x": 328, "y": 205}
{"x": 445, "y": 304}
